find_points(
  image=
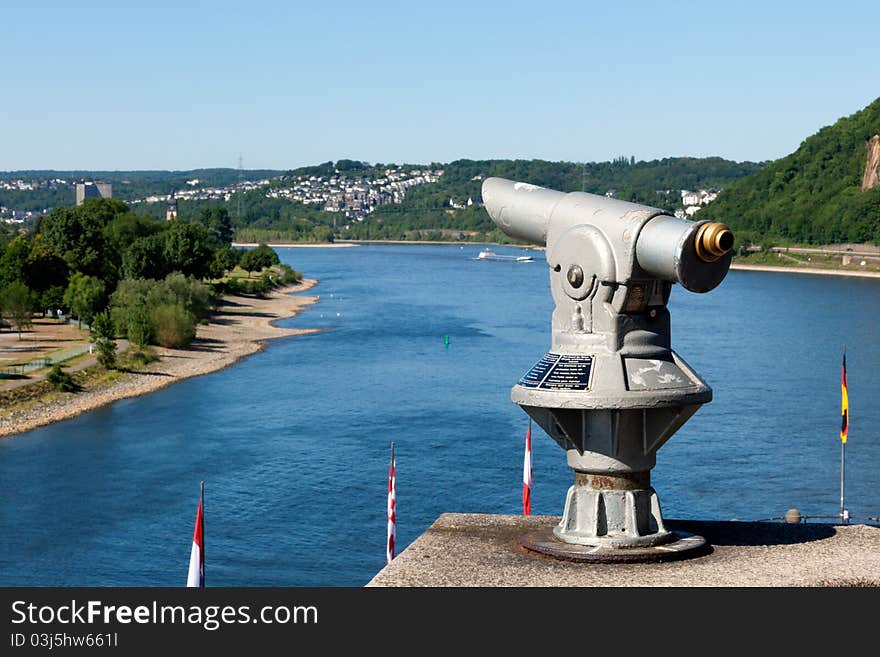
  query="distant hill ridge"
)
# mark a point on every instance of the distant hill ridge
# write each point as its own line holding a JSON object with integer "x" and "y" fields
{"x": 437, "y": 210}
{"x": 427, "y": 211}
{"x": 826, "y": 192}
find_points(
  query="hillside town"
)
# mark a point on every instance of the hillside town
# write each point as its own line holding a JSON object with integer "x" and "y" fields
{"x": 353, "y": 196}
{"x": 693, "y": 201}
{"x": 17, "y": 216}
{"x": 195, "y": 193}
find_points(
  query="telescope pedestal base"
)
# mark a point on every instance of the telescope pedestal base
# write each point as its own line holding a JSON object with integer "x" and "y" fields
{"x": 682, "y": 546}
{"x": 613, "y": 511}
{"x": 612, "y": 518}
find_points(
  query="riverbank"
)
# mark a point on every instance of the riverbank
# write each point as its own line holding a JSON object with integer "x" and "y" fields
{"x": 238, "y": 328}
{"x": 805, "y": 270}
{"x": 528, "y": 247}
{"x": 299, "y": 245}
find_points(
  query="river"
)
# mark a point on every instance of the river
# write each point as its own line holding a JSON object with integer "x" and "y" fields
{"x": 293, "y": 442}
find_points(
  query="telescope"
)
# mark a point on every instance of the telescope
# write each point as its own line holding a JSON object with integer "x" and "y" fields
{"x": 611, "y": 391}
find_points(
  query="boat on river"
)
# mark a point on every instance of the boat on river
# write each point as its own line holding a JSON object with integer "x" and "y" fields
{"x": 489, "y": 254}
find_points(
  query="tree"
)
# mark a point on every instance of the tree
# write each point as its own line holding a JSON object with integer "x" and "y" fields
{"x": 218, "y": 223}
{"x": 84, "y": 296}
{"x": 13, "y": 262}
{"x": 52, "y": 298}
{"x": 44, "y": 269}
{"x": 258, "y": 259}
{"x": 76, "y": 236}
{"x": 18, "y": 305}
{"x": 122, "y": 231}
{"x": 103, "y": 335}
{"x": 225, "y": 259}
{"x": 145, "y": 258}
{"x": 187, "y": 248}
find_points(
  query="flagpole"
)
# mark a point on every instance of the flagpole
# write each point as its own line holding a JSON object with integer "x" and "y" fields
{"x": 842, "y": 471}
{"x": 844, "y": 432}
{"x": 202, "y": 502}
{"x": 391, "y": 510}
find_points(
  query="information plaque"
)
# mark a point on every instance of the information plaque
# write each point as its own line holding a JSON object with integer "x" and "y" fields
{"x": 559, "y": 372}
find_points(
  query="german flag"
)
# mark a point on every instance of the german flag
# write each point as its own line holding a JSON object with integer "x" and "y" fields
{"x": 844, "y": 403}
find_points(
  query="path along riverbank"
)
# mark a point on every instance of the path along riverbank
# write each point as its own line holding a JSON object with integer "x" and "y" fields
{"x": 806, "y": 270}
{"x": 239, "y": 328}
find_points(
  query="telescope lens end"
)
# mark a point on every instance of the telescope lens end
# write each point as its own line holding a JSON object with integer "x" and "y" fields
{"x": 713, "y": 240}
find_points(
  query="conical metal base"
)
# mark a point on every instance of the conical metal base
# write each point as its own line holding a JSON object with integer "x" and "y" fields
{"x": 612, "y": 511}
{"x": 613, "y": 518}
{"x": 681, "y": 546}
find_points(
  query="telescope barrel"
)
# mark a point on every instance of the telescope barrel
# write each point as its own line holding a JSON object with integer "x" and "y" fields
{"x": 521, "y": 210}
{"x": 694, "y": 254}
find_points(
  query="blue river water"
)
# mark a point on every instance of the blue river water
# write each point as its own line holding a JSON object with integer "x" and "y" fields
{"x": 293, "y": 442}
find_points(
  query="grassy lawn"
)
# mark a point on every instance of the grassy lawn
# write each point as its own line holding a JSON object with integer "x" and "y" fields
{"x": 40, "y": 391}
{"x": 238, "y": 272}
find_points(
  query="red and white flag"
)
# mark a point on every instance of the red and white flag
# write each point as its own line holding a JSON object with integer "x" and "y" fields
{"x": 392, "y": 510}
{"x": 527, "y": 473}
{"x": 196, "y": 575}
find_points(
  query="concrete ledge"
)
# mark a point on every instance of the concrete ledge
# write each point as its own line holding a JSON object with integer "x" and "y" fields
{"x": 462, "y": 549}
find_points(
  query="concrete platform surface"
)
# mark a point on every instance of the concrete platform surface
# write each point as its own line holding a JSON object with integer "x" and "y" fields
{"x": 462, "y": 549}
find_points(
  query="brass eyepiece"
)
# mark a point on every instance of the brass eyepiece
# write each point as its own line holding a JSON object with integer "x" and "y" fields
{"x": 712, "y": 241}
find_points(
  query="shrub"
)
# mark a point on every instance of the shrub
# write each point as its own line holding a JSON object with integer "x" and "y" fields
{"x": 139, "y": 325}
{"x": 141, "y": 357}
{"x": 242, "y": 286}
{"x": 289, "y": 276}
{"x": 130, "y": 293}
{"x": 60, "y": 379}
{"x": 138, "y": 307}
{"x": 174, "y": 325}
{"x": 193, "y": 295}
{"x": 103, "y": 334}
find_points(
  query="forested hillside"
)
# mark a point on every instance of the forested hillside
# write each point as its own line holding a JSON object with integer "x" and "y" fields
{"x": 813, "y": 195}
{"x": 427, "y": 211}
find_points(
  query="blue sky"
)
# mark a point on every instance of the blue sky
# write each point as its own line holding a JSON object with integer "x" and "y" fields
{"x": 179, "y": 85}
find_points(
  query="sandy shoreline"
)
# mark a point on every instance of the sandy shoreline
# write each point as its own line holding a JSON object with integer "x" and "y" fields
{"x": 239, "y": 328}
{"x": 806, "y": 270}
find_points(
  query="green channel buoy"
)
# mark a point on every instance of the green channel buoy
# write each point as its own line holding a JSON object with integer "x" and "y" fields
{"x": 446, "y": 340}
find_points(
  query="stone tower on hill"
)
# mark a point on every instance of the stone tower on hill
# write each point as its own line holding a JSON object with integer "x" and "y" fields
{"x": 93, "y": 190}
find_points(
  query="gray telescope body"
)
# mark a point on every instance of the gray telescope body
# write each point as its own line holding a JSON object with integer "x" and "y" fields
{"x": 611, "y": 391}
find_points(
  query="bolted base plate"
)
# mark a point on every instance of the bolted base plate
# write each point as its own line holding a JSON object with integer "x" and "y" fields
{"x": 682, "y": 546}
